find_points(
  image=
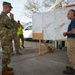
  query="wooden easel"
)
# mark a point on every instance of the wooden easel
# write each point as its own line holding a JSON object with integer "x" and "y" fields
{"x": 39, "y": 36}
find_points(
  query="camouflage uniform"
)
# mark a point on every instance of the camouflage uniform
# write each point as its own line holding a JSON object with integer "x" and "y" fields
{"x": 6, "y": 25}
{"x": 15, "y": 38}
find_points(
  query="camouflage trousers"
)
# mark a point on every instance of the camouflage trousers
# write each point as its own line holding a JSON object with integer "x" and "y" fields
{"x": 71, "y": 51}
{"x": 6, "y": 44}
{"x": 16, "y": 43}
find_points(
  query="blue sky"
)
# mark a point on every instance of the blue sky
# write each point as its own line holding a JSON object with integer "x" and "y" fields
{"x": 18, "y": 9}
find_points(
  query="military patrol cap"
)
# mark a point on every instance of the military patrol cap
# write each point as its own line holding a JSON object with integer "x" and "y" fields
{"x": 7, "y": 3}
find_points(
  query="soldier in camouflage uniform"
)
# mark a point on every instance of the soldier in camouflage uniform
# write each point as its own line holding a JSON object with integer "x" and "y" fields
{"x": 6, "y": 25}
{"x": 15, "y": 38}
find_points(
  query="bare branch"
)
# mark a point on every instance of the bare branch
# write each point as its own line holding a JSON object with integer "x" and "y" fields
{"x": 34, "y": 6}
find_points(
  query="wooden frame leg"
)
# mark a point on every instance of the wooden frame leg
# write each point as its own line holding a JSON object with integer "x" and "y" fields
{"x": 47, "y": 47}
{"x": 39, "y": 47}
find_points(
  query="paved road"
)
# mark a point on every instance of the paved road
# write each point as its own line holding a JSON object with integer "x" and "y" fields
{"x": 30, "y": 63}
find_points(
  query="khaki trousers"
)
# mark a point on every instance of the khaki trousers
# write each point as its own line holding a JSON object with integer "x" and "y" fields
{"x": 71, "y": 51}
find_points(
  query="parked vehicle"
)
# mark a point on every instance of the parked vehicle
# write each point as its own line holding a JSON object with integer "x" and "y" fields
{"x": 27, "y": 32}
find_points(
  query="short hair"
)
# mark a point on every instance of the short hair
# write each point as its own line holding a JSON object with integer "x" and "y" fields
{"x": 73, "y": 11}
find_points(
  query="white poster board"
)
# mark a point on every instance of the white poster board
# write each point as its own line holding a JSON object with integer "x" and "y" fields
{"x": 48, "y": 25}
{"x": 52, "y": 23}
{"x": 37, "y": 23}
{"x": 61, "y": 22}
